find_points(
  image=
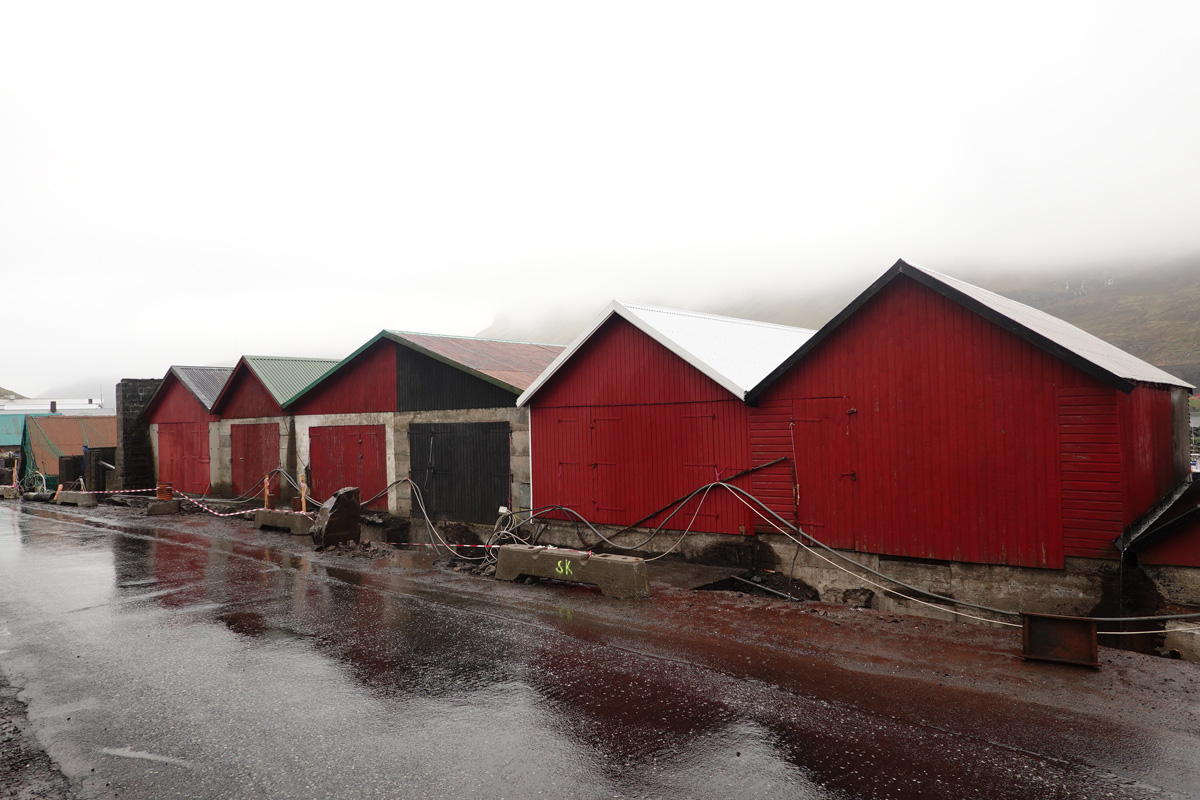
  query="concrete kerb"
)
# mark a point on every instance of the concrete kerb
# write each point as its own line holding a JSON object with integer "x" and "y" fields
{"x": 622, "y": 577}
{"x": 293, "y": 523}
{"x": 82, "y": 499}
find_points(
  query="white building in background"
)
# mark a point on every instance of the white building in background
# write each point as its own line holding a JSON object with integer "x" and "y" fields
{"x": 46, "y": 405}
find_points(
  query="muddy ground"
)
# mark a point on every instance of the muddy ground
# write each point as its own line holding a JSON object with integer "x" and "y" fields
{"x": 26, "y": 772}
{"x": 942, "y": 668}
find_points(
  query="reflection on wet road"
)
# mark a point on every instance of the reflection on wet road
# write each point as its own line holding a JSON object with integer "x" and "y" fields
{"x": 163, "y": 664}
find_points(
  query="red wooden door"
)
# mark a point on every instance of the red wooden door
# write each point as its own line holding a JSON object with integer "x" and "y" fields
{"x": 183, "y": 456}
{"x": 825, "y": 472}
{"x": 255, "y": 452}
{"x": 349, "y": 455}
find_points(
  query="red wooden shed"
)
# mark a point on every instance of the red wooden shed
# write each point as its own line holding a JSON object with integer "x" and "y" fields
{"x": 933, "y": 419}
{"x": 438, "y": 408}
{"x": 647, "y": 405}
{"x": 256, "y": 434}
{"x": 180, "y": 413}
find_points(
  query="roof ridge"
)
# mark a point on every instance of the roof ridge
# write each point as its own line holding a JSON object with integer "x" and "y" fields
{"x": 683, "y": 312}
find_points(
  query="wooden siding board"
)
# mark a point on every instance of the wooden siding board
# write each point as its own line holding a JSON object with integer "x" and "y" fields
{"x": 254, "y": 451}
{"x": 463, "y": 469}
{"x": 367, "y": 384}
{"x": 952, "y": 462}
{"x": 424, "y": 383}
{"x": 247, "y": 398}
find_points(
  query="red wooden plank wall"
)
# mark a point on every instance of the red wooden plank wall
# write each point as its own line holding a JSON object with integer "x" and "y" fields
{"x": 1155, "y": 448}
{"x": 183, "y": 459}
{"x": 176, "y": 404}
{"x": 247, "y": 398}
{"x": 616, "y": 464}
{"x": 620, "y": 365}
{"x": 1090, "y": 443}
{"x": 952, "y": 447}
{"x": 254, "y": 450}
{"x": 349, "y": 455}
{"x": 366, "y": 384}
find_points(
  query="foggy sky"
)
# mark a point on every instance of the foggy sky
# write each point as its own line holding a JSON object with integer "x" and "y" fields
{"x": 184, "y": 184}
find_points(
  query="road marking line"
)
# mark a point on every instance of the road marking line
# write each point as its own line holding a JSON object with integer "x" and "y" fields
{"x": 126, "y": 752}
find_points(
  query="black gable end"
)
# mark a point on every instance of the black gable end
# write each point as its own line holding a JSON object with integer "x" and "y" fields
{"x": 427, "y": 384}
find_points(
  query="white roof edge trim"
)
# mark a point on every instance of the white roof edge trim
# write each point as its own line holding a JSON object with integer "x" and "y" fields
{"x": 567, "y": 353}
{"x": 707, "y": 369}
{"x": 629, "y": 312}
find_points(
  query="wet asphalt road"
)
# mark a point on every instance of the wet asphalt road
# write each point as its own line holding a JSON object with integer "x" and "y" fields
{"x": 164, "y": 664}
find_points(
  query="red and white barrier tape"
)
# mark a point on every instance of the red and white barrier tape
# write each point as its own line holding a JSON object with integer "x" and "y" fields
{"x": 110, "y": 491}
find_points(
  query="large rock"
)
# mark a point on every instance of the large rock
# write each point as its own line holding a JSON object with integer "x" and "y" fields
{"x": 337, "y": 521}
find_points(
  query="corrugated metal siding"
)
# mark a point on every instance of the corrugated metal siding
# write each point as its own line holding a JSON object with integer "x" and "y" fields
{"x": 516, "y": 364}
{"x": 255, "y": 452}
{"x": 426, "y": 384}
{"x": 49, "y": 438}
{"x": 954, "y": 442}
{"x": 366, "y": 384}
{"x": 349, "y": 455}
{"x": 462, "y": 469}
{"x": 283, "y": 376}
{"x": 617, "y": 464}
{"x": 247, "y": 398}
{"x": 205, "y": 383}
{"x": 620, "y": 365}
{"x": 1090, "y": 442}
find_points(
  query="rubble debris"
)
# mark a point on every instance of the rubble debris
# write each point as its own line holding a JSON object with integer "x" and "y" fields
{"x": 338, "y": 519}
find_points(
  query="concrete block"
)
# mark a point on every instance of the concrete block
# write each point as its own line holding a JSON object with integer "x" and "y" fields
{"x": 9, "y": 492}
{"x": 163, "y": 507}
{"x": 77, "y": 499}
{"x": 296, "y": 524}
{"x": 617, "y": 576}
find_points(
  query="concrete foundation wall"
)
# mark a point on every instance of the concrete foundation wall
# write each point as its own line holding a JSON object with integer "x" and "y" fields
{"x": 1085, "y": 587}
{"x": 518, "y": 425}
{"x": 396, "y": 428}
{"x": 305, "y": 422}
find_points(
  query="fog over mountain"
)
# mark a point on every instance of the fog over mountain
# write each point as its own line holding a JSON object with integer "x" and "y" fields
{"x": 1150, "y": 309}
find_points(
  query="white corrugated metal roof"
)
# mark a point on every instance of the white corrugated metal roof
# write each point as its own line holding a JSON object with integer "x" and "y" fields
{"x": 735, "y": 353}
{"x": 1064, "y": 334}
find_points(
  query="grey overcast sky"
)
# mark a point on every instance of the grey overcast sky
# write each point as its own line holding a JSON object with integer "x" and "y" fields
{"x": 188, "y": 182}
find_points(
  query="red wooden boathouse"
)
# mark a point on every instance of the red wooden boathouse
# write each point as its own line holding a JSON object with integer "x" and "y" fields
{"x": 645, "y": 406}
{"x": 437, "y": 408}
{"x": 934, "y": 419}
{"x": 180, "y": 413}
{"x": 256, "y": 435}
{"x": 930, "y": 419}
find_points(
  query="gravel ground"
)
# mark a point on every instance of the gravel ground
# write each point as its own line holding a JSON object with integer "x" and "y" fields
{"x": 26, "y": 772}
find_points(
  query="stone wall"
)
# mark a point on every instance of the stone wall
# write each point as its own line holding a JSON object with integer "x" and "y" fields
{"x": 135, "y": 459}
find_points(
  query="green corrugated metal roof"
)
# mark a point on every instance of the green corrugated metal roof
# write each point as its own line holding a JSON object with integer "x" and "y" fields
{"x": 284, "y": 376}
{"x": 12, "y": 428}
